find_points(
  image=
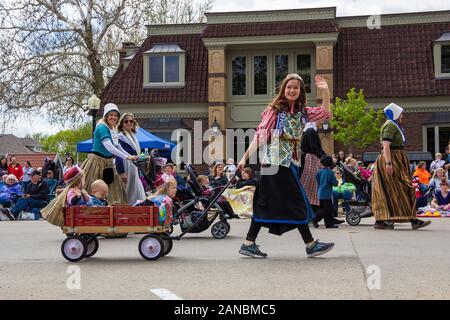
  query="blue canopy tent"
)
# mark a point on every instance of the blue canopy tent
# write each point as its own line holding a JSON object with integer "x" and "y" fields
{"x": 146, "y": 140}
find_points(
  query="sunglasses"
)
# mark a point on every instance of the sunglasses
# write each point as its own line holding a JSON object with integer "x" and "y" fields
{"x": 128, "y": 121}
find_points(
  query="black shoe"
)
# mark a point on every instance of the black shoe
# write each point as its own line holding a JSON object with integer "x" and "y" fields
{"x": 8, "y": 213}
{"x": 333, "y": 226}
{"x": 315, "y": 223}
{"x": 417, "y": 224}
{"x": 337, "y": 221}
{"x": 383, "y": 226}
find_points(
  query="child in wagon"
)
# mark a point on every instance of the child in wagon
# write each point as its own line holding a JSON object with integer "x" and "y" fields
{"x": 162, "y": 199}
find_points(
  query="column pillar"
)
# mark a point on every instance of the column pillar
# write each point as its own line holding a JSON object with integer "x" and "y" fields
{"x": 324, "y": 67}
{"x": 217, "y": 97}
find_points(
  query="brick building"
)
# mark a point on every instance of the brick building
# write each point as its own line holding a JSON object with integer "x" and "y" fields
{"x": 226, "y": 70}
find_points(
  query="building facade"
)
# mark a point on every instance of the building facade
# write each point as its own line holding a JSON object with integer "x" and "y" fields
{"x": 227, "y": 70}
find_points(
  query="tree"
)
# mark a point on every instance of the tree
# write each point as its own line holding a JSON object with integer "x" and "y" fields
{"x": 66, "y": 141}
{"x": 355, "y": 124}
{"x": 55, "y": 53}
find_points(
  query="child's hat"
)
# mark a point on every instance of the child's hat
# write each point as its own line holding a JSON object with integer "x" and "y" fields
{"x": 72, "y": 174}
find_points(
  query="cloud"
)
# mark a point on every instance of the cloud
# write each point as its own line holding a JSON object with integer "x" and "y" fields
{"x": 34, "y": 124}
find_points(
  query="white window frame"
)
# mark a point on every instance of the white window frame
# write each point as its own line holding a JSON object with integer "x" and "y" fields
{"x": 436, "y": 136}
{"x": 437, "y": 50}
{"x": 181, "y": 76}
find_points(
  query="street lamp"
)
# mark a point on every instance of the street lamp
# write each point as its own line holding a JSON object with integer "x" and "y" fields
{"x": 325, "y": 125}
{"x": 94, "y": 106}
{"x": 215, "y": 126}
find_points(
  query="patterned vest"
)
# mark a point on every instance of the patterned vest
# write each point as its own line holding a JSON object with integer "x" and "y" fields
{"x": 285, "y": 142}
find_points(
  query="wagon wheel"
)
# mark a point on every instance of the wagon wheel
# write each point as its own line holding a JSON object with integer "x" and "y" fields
{"x": 151, "y": 247}
{"x": 168, "y": 244}
{"x": 92, "y": 246}
{"x": 353, "y": 218}
{"x": 74, "y": 248}
{"x": 220, "y": 229}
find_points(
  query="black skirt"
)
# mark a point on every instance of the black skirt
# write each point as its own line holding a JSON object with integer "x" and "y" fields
{"x": 280, "y": 202}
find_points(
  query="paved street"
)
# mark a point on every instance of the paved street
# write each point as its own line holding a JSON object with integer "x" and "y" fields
{"x": 413, "y": 265}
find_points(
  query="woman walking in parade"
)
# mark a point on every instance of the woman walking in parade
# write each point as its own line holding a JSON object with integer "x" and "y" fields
{"x": 280, "y": 202}
{"x": 127, "y": 170}
{"x": 393, "y": 195}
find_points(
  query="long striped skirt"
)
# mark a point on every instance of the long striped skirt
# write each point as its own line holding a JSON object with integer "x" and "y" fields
{"x": 93, "y": 170}
{"x": 393, "y": 197}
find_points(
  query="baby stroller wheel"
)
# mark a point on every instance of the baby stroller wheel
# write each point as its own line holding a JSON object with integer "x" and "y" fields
{"x": 353, "y": 218}
{"x": 74, "y": 248}
{"x": 92, "y": 246}
{"x": 220, "y": 229}
{"x": 151, "y": 247}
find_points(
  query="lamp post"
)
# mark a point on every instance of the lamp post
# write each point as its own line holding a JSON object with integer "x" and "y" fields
{"x": 94, "y": 106}
{"x": 325, "y": 125}
{"x": 215, "y": 126}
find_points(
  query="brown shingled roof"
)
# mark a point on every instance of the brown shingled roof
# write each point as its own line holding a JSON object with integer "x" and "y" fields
{"x": 127, "y": 86}
{"x": 394, "y": 61}
{"x": 268, "y": 29}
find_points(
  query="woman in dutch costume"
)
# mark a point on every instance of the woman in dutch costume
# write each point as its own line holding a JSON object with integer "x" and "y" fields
{"x": 99, "y": 165}
{"x": 280, "y": 202}
{"x": 127, "y": 170}
{"x": 393, "y": 195}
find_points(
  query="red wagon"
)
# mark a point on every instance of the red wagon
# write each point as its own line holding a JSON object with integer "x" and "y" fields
{"x": 84, "y": 224}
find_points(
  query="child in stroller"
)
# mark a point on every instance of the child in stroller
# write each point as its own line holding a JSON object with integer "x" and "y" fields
{"x": 361, "y": 207}
{"x": 198, "y": 203}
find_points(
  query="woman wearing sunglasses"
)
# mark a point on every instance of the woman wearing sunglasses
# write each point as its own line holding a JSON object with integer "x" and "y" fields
{"x": 127, "y": 170}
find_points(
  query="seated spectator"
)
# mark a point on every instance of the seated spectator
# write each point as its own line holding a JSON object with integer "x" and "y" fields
{"x": 69, "y": 164}
{"x": 421, "y": 200}
{"x": 218, "y": 177}
{"x": 230, "y": 168}
{"x": 352, "y": 164}
{"x": 3, "y": 166}
{"x": 10, "y": 191}
{"x": 52, "y": 183}
{"x": 441, "y": 198}
{"x": 435, "y": 181}
{"x": 437, "y": 163}
{"x": 27, "y": 170}
{"x": 35, "y": 197}
{"x": 49, "y": 164}
{"x": 247, "y": 179}
{"x": 423, "y": 175}
{"x": 15, "y": 168}
{"x": 342, "y": 191}
{"x": 3, "y": 181}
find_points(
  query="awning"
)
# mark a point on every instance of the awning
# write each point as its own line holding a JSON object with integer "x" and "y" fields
{"x": 145, "y": 138}
{"x": 165, "y": 48}
{"x": 412, "y": 156}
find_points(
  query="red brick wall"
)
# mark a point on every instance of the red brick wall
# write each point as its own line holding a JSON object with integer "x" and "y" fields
{"x": 412, "y": 123}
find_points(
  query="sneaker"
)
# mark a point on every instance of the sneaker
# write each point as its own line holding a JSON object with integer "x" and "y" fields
{"x": 318, "y": 249}
{"x": 252, "y": 251}
{"x": 417, "y": 224}
{"x": 8, "y": 213}
{"x": 25, "y": 216}
{"x": 3, "y": 217}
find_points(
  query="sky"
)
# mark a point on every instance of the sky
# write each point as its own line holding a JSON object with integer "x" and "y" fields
{"x": 343, "y": 8}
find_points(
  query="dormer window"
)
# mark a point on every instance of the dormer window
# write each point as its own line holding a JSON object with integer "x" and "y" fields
{"x": 164, "y": 66}
{"x": 442, "y": 56}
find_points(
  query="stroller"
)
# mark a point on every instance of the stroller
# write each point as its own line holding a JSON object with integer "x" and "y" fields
{"x": 196, "y": 212}
{"x": 361, "y": 207}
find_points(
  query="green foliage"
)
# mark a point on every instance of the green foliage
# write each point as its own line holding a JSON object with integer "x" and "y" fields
{"x": 355, "y": 124}
{"x": 66, "y": 141}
